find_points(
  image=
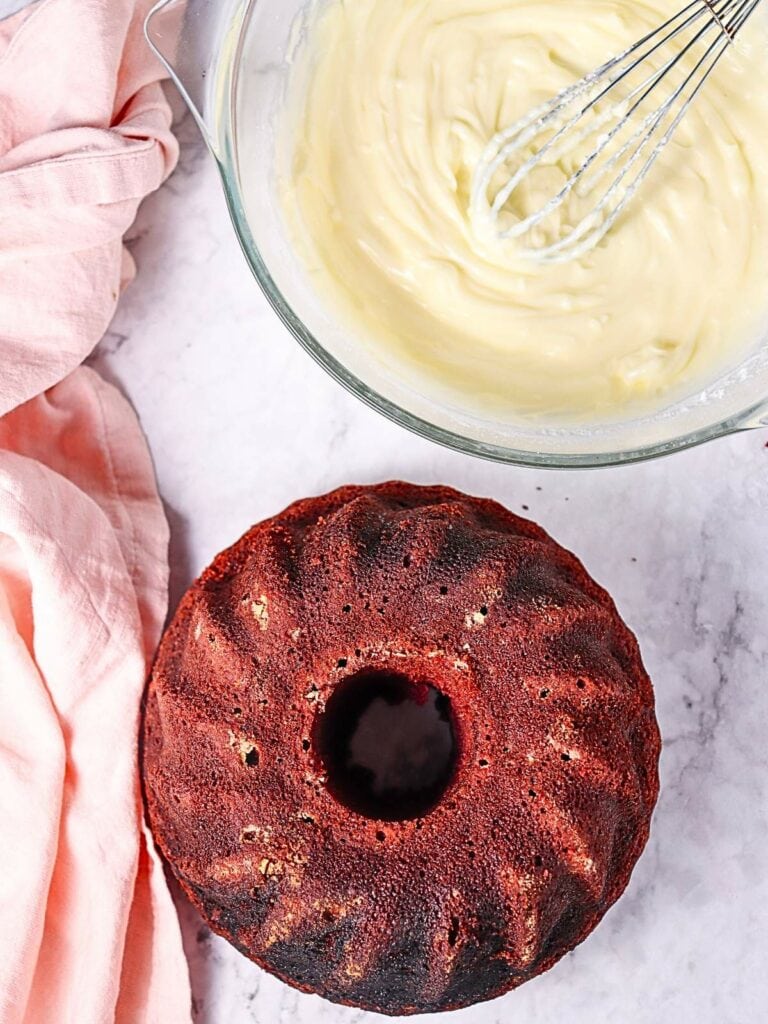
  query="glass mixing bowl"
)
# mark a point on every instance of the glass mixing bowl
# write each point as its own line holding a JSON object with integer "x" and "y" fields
{"x": 225, "y": 55}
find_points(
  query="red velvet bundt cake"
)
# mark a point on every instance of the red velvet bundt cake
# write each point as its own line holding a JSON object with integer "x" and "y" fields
{"x": 400, "y": 749}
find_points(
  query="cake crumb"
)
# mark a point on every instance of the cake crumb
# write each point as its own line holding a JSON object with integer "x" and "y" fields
{"x": 245, "y": 748}
{"x": 268, "y": 868}
{"x": 260, "y": 612}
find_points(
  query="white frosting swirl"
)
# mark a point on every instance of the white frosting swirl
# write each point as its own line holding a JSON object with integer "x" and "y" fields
{"x": 391, "y": 105}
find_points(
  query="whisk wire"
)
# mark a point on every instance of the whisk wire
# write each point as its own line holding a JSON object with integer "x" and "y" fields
{"x": 511, "y": 139}
{"x": 643, "y": 136}
{"x": 571, "y": 129}
{"x": 718, "y": 19}
{"x": 549, "y": 147}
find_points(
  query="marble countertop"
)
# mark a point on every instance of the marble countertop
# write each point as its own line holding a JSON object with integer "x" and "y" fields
{"x": 241, "y": 422}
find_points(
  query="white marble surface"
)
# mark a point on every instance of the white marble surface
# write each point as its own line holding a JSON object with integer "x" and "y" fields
{"x": 241, "y": 422}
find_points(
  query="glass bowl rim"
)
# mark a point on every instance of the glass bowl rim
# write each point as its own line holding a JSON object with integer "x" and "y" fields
{"x": 222, "y": 143}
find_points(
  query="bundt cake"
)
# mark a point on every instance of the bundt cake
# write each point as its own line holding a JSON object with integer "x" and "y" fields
{"x": 400, "y": 749}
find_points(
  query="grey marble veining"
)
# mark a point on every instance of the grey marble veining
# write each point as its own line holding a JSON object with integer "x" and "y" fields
{"x": 241, "y": 422}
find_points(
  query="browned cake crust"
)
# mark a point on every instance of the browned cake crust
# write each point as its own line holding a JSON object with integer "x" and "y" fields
{"x": 557, "y": 748}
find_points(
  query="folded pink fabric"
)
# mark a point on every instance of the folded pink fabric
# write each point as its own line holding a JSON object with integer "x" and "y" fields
{"x": 88, "y": 932}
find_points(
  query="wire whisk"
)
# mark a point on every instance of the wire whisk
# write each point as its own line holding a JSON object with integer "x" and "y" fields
{"x": 558, "y": 179}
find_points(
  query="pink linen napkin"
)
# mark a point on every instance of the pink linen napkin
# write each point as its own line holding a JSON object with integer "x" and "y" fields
{"x": 88, "y": 932}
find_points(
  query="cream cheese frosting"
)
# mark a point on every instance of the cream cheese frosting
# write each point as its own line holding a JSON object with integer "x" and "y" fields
{"x": 390, "y": 106}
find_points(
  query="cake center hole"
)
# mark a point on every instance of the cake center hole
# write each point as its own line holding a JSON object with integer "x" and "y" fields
{"x": 387, "y": 744}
